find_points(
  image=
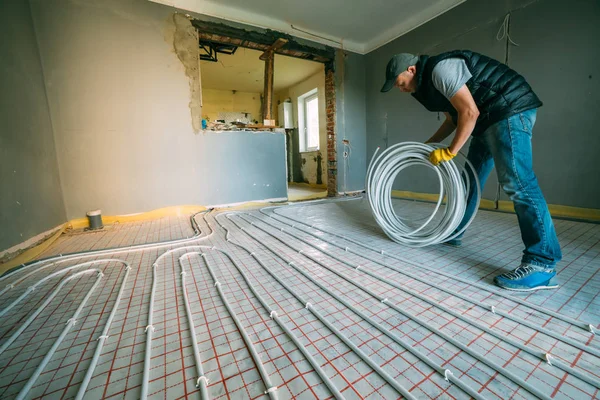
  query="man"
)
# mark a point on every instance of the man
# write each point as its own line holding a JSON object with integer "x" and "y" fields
{"x": 493, "y": 105}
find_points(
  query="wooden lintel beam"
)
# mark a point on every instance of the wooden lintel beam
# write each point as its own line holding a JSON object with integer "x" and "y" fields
{"x": 279, "y": 43}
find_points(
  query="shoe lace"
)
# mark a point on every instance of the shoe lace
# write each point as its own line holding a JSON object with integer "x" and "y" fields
{"x": 519, "y": 272}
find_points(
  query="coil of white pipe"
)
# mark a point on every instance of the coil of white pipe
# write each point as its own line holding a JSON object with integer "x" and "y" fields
{"x": 453, "y": 188}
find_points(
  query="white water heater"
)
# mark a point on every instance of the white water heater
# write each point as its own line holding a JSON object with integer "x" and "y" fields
{"x": 285, "y": 116}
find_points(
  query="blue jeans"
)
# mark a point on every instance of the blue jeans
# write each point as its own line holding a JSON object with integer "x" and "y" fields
{"x": 507, "y": 144}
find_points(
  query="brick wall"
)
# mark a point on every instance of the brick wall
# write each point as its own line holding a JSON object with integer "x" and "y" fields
{"x": 331, "y": 150}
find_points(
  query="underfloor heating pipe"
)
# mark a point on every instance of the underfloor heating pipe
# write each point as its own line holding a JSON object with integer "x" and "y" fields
{"x": 585, "y": 326}
{"x": 33, "y": 287}
{"x": 150, "y": 327}
{"x": 476, "y": 355}
{"x": 273, "y": 315}
{"x": 202, "y": 381}
{"x": 544, "y": 356}
{"x": 33, "y": 378}
{"x": 103, "y": 337}
{"x": 271, "y": 389}
{"x": 311, "y": 308}
{"x": 111, "y": 250}
{"x": 487, "y": 307}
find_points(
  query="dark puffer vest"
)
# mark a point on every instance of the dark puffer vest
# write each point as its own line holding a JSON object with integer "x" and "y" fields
{"x": 498, "y": 91}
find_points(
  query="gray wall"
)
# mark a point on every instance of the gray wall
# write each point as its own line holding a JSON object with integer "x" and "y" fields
{"x": 119, "y": 98}
{"x": 351, "y": 121}
{"x": 560, "y": 57}
{"x": 31, "y": 201}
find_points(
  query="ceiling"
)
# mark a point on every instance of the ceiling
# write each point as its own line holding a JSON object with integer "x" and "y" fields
{"x": 360, "y": 26}
{"x": 243, "y": 71}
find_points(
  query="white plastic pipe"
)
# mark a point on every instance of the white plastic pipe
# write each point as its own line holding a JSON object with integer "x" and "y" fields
{"x": 23, "y": 393}
{"x": 202, "y": 381}
{"x": 543, "y": 356}
{"x": 381, "y": 174}
{"x": 386, "y": 301}
{"x": 103, "y": 337}
{"x": 565, "y": 318}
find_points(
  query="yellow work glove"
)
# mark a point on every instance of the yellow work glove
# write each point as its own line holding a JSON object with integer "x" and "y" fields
{"x": 439, "y": 155}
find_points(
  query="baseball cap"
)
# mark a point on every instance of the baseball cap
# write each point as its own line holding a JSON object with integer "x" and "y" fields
{"x": 397, "y": 64}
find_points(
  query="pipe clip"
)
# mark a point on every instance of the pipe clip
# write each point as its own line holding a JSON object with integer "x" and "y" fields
{"x": 12, "y": 286}
{"x": 384, "y": 300}
{"x": 271, "y": 389}
{"x": 548, "y": 357}
{"x": 200, "y": 379}
{"x": 291, "y": 263}
{"x": 307, "y": 305}
{"x": 101, "y": 274}
{"x": 151, "y": 327}
{"x": 358, "y": 267}
{"x": 346, "y": 249}
{"x": 273, "y": 314}
{"x": 300, "y": 251}
{"x": 128, "y": 268}
{"x": 592, "y": 329}
{"x": 217, "y": 284}
{"x": 447, "y": 375}
{"x": 183, "y": 273}
{"x": 281, "y": 229}
{"x": 213, "y": 248}
{"x": 103, "y": 337}
{"x": 493, "y": 309}
{"x": 71, "y": 320}
{"x": 252, "y": 254}
{"x": 382, "y": 252}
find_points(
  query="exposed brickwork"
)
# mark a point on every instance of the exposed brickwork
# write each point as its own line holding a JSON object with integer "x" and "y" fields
{"x": 331, "y": 137}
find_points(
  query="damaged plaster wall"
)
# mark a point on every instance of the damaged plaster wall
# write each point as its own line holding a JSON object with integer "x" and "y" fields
{"x": 119, "y": 97}
{"x": 31, "y": 199}
{"x": 185, "y": 43}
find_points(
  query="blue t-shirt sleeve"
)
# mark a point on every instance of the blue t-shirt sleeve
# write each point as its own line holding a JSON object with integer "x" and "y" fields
{"x": 449, "y": 75}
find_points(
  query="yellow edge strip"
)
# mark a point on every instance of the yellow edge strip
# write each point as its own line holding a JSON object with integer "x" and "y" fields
{"x": 308, "y": 197}
{"x": 154, "y": 214}
{"x": 32, "y": 252}
{"x": 80, "y": 223}
{"x": 311, "y": 185}
{"x": 590, "y": 214}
